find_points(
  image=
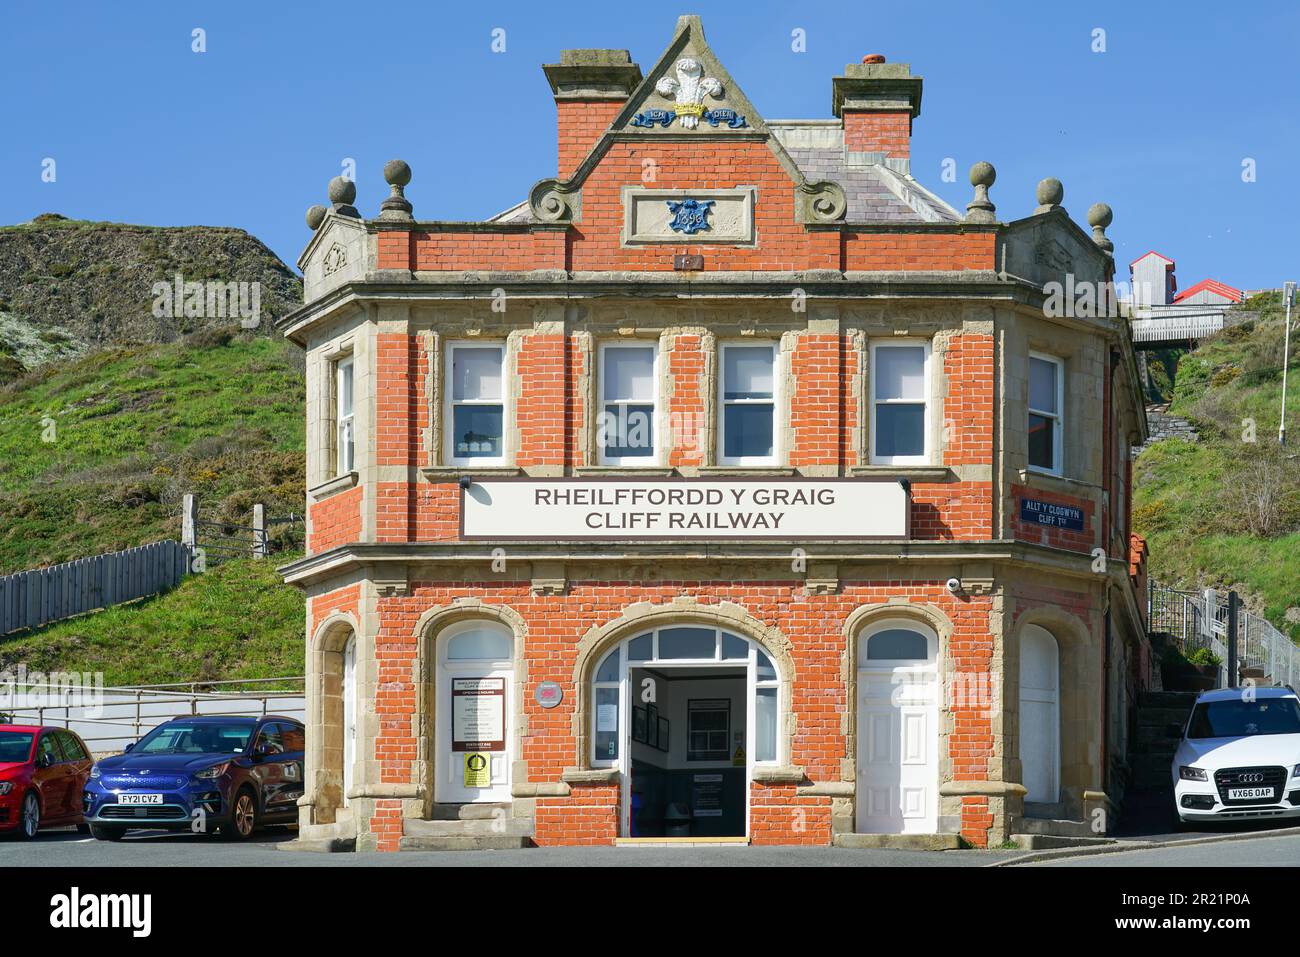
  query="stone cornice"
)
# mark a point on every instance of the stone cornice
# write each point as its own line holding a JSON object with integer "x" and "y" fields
{"x": 345, "y": 558}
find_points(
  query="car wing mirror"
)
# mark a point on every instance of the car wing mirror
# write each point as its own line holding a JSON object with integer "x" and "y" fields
{"x": 42, "y": 760}
{"x": 128, "y": 748}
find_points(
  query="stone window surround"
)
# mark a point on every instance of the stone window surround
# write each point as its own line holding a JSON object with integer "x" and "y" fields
{"x": 591, "y": 345}
{"x": 444, "y": 406}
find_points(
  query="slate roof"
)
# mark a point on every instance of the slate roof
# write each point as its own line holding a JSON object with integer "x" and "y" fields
{"x": 876, "y": 191}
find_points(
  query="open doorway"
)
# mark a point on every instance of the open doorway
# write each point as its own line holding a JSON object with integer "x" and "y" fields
{"x": 685, "y": 712}
{"x": 688, "y": 752}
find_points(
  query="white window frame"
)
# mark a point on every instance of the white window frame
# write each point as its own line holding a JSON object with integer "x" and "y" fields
{"x": 927, "y": 398}
{"x": 449, "y": 405}
{"x": 631, "y": 461}
{"x": 723, "y": 402}
{"x": 1058, "y": 416}
{"x": 345, "y": 436}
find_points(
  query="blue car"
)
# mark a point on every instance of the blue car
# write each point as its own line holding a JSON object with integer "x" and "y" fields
{"x": 200, "y": 774}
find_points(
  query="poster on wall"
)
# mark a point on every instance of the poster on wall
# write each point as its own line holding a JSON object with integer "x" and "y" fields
{"x": 478, "y": 714}
{"x": 478, "y": 770}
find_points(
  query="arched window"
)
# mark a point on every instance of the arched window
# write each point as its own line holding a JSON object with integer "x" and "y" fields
{"x": 898, "y": 644}
{"x": 480, "y": 643}
{"x": 681, "y": 646}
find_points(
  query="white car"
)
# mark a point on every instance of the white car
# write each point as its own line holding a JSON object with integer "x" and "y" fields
{"x": 1239, "y": 756}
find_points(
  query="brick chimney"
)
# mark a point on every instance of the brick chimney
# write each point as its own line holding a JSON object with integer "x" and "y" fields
{"x": 877, "y": 102}
{"x": 590, "y": 87}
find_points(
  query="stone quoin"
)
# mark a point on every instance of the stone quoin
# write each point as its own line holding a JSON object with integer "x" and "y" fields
{"x": 821, "y": 539}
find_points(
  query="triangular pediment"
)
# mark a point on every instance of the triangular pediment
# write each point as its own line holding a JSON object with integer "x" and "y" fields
{"x": 689, "y": 90}
{"x": 687, "y": 93}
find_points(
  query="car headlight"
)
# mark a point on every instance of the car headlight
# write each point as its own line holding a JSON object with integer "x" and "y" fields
{"x": 6, "y": 787}
{"x": 94, "y": 772}
{"x": 1295, "y": 772}
{"x": 212, "y": 773}
{"x": 1192, "y": 774}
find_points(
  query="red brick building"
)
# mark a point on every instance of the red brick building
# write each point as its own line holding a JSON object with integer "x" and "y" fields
{"x": 732, "y": 487}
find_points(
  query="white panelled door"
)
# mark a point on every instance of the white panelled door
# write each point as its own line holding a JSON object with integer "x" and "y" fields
{"x": 349, "y": 692}
{"x": 473, "y": 728}
{"x": 1040, "y": 715}
{"x": 898, "y": 730}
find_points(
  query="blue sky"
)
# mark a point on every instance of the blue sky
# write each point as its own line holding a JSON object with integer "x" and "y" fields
{"x": 247, "y": 134}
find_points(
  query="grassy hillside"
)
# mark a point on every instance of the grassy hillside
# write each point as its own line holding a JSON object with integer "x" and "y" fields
{"x": 95, "y": 454}
{"x": 237, "y": 620}
{"x": 1225, "y": 511}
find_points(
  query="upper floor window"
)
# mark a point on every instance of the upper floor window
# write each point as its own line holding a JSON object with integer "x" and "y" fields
{"x": 475, "y": 413}
{"x": 900, "y": 389}
{"x": 626, "y": 429}
{"x": 747, "y": 425}
{"x": 1046, "y": 384}
{"x": 343, "y": 416}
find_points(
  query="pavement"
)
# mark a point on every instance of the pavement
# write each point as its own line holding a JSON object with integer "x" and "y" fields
{"x": 1147, "y": 837}
{"x": 162, "y": 849}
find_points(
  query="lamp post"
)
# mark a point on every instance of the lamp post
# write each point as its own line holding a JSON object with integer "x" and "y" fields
{"x": 1288, "y": 293}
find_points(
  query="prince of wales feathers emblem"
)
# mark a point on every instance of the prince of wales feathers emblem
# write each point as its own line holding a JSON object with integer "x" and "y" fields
{"x": 689, "y": 87}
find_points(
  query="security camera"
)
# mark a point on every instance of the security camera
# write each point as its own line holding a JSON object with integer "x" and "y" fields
{"x": 465, "y": 481}
{"x": 954, "y": 585}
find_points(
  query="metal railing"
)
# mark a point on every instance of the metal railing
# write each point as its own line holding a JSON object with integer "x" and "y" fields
{"x": 127, "y": 713}
{"x": 1200, "y": 620}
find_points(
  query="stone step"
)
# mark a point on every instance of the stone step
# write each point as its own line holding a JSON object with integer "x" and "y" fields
{"x": 473, "y": 842}
{"x": 1160, "y": 717}
{"x": 467, "y": 812}
{"x": 1047, "y": 842}
{"x": 899, "y": 842}
{"x": 1053, "y": 827}
{"x": 1167, "y": 699}
{"x": 504, "y": 826}
{"x": 1155, "y": 738}
{"x": 1150, "y": 770}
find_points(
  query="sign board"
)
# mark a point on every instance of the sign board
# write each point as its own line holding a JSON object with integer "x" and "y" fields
{"x": 775, "y": 509}
{"x": 478, "y": 770}
{"x": 1051, "y": 515}
{"x": 548, "y": 694}
{"x": 706, "y": 795}
{"x": 478, "y": 714}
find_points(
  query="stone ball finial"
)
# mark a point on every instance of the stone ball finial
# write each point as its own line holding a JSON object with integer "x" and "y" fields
{"x": 1050, "y": 192}
{"x": 1099, "y": 217}
{"x": 342, "y": 191}
{"x": 315, "y": 216}
{"x": 981, "y": 208}
{"x": 983, "y": 174}
{"x": 397, "y": 173}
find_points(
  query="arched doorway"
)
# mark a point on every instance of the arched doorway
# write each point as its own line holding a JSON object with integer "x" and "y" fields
{"x": 349, "y": 694}
{"x": 1040, "y": 715}
{"x": 685, "y": 712}
{"x": 898, "y": 729}
{"x": 475, "y": 699}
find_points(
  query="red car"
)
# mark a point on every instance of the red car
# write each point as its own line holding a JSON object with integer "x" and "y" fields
{"x": 42, "y": 774}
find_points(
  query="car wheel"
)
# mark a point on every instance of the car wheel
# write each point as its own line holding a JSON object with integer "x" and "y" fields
{"x": 29, "y": 818}
{"x": 243, "y": 817}
{"x": 101, "y": 833}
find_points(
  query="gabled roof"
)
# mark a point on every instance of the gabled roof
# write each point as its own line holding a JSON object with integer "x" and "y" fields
{"x": 1214, "y": 286}
{"x": 1152, "y": 252}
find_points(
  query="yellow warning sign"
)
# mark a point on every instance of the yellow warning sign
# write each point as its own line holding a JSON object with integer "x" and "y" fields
{"x": 739, "y": 760}
{"x": 478, "y": 770}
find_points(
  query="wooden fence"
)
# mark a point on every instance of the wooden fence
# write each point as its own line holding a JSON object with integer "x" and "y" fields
{"x": 33, "y": 598}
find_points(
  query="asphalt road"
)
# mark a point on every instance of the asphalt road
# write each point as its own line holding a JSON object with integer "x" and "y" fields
{"x": 1261, "y": 851}
{"x": 161, "y": 849}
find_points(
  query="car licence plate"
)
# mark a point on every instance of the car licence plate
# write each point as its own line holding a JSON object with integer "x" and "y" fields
{"x": 1249, "y": 794}
{"x": 139, "y": 799}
